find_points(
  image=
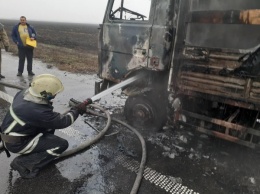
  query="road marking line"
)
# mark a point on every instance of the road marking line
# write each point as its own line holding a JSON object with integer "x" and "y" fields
{"x": 162, "y": 181}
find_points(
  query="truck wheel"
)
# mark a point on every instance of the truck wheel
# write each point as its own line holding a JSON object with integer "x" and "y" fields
{"x": 141, "y": 112}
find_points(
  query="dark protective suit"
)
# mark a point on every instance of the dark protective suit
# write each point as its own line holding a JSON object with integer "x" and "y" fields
{"x": 35, "y": 139}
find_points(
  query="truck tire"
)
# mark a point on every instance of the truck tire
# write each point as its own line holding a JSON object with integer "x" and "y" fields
{"x": 143, "y": 112}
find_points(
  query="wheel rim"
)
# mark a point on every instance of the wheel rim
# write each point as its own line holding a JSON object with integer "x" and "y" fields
{"x": 143, "y": 113}
{"x": 140, "y": 112}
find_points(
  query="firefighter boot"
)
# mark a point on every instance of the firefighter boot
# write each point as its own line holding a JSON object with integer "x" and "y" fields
{"x": 249, "y": 67}
{"x": 16, "y": 164}
{"x": 29, "y": 165}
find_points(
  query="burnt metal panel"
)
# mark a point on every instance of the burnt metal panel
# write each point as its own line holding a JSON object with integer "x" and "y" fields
{"x": 162, "y": 35}
{"x": 125, "y": 45}
{"x": 210, "y": 24}
{"x": 225, "y": 4}
{"x": 125, "y": 48}
{"x": 223, "y": 36}
{"x": 225, "y": 17}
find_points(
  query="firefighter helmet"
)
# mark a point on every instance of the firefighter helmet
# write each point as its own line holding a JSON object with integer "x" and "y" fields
{"x": 45, "y": 86}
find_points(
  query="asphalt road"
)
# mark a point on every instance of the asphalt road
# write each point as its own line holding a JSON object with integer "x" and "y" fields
{"x": 179, "y": 160}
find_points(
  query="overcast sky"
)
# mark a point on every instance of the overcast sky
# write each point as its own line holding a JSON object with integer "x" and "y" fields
{"x": 78, "y": 11}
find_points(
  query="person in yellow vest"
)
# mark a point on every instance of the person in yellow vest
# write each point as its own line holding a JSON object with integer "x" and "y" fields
{"x": 20, "y": 33}
{"x": 4, "y": 44}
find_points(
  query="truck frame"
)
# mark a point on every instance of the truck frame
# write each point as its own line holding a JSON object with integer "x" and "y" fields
{"x": 188, "y": 51}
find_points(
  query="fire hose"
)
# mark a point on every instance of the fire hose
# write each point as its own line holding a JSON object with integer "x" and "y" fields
{"x": 144, "y": 154}
{"x": 11, "y": 85}
{"x": 85, "y": 145}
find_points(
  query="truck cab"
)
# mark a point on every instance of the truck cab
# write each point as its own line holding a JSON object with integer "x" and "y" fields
{"x": 135, "y": 35}
{"x": 199, "y": 59}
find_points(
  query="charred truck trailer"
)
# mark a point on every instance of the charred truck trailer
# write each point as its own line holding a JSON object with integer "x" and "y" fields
{"x": 200, "y": 60}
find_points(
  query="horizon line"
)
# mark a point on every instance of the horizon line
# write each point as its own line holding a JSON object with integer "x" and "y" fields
{"x": 52, "y": 21}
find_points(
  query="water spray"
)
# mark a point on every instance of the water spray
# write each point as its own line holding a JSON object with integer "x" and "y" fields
{"x": 117, "y": 86}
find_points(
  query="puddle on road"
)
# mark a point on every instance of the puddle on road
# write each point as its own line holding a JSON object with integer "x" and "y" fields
{"x": 85, "y": 167}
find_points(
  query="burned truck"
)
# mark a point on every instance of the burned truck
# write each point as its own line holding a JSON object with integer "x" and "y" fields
{"x": 200, "y": 63}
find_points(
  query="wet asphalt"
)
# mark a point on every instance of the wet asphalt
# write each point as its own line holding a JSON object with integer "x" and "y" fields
{"x": 179, "y": 156}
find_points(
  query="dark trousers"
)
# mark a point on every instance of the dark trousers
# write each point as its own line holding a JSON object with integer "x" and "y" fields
{"x": 45, "y": 151}
{"x": 25, "y": 52}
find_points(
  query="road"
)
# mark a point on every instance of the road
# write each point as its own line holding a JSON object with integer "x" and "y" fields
{"x": 179, "y": 160}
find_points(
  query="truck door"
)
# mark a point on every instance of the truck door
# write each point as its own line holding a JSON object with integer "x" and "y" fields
{"x": 124, "y": 38}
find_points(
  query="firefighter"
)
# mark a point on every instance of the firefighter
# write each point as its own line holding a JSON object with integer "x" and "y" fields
{"x": 28, "y": 127}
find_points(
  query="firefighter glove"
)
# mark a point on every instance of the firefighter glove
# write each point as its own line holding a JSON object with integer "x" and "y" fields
{"x": 82, "y": 106}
